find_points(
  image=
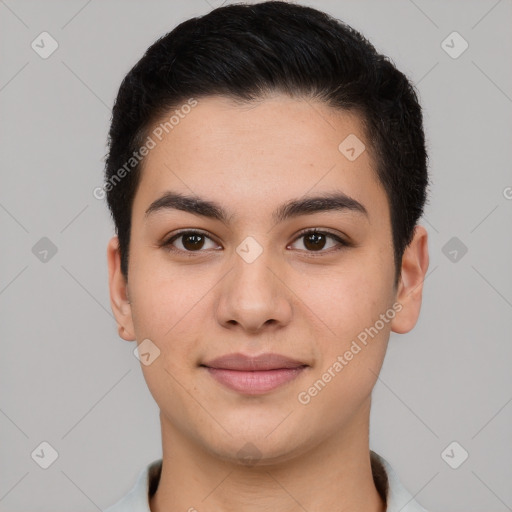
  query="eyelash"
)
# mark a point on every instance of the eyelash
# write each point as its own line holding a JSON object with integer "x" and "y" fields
{"x": 343, "y": 244}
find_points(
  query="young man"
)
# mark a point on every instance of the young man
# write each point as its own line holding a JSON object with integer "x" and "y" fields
{"x": 266, "y": 172}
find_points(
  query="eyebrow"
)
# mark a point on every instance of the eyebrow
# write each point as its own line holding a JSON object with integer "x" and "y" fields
{"x": 333, "y": 201}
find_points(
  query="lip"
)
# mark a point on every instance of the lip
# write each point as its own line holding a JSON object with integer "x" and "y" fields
{"x": 242, "y": 362}
{"x": 254, "y": 375}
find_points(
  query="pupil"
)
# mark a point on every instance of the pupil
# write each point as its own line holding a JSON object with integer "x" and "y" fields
{"x": 316, "y": 239}
{"x": 197, "y": 243}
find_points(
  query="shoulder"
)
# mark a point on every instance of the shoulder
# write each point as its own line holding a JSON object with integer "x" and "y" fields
{"x": 398, "y": 498}
{"x": 137, "y": 499}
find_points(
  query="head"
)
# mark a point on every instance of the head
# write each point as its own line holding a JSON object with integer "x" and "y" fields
{"x": 265, "y": 120}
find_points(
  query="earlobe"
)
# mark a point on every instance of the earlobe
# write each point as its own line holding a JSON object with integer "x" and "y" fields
{"x": 119, "y": 297}
{"x": 415, "y": 262}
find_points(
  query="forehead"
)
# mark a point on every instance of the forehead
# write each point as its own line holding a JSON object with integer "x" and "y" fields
{"x": 258, "y": 153}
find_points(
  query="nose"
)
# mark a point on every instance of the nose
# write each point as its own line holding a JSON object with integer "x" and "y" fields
{"x": 254, "y": 296}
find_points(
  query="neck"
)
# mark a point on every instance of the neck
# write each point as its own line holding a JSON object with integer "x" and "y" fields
{"x": 333, "y": 475}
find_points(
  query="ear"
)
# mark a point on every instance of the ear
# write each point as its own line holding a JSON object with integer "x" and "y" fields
{"x": 410, "y": 287}
{"x": 119, "y": 299}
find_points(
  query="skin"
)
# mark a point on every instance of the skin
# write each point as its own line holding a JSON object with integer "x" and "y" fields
{"x": 305, "y": 304}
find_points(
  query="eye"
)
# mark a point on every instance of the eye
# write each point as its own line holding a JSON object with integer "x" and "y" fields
{"x": 315, "y": 240}
{"x": 193, "y": 241}
{"x": 190, "y": 241}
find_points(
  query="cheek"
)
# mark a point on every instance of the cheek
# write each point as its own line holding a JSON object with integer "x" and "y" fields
{"x": 168, "y": 308}
{"x": 348, "y": 298}
{"x": 351, "y": 341}
{"x": 351, "y": 337}
{"x": 165, "y": 297}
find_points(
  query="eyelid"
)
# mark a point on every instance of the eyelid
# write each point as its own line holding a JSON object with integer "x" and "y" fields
{"x": 342, "y": 242}
{"x": 167, "y": 242}
{"x": 321, "y": 231}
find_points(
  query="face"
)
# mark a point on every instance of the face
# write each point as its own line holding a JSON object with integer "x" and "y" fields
{"x": 291, "y": 255}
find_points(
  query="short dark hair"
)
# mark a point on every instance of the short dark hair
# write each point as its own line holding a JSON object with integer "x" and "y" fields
{"x": 246, "y": 52}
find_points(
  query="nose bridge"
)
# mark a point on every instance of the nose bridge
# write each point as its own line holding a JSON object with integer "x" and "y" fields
{"x": 251, "y": 294}
{"x": 251, "y": 274}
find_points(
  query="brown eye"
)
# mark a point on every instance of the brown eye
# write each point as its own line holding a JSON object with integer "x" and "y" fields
{"x": 316, "y": 241}
{"x": 192, "y": 242}
{"x": 188, "y": 241}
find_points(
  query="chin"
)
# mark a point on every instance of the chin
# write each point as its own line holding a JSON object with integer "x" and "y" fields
{"x": 263, "y": 446}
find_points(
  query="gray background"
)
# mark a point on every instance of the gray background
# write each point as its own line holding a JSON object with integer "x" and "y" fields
{"x": 67, "y": 378}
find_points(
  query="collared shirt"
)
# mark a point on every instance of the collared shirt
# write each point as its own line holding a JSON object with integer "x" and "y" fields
{"x": 397, "y": 498}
